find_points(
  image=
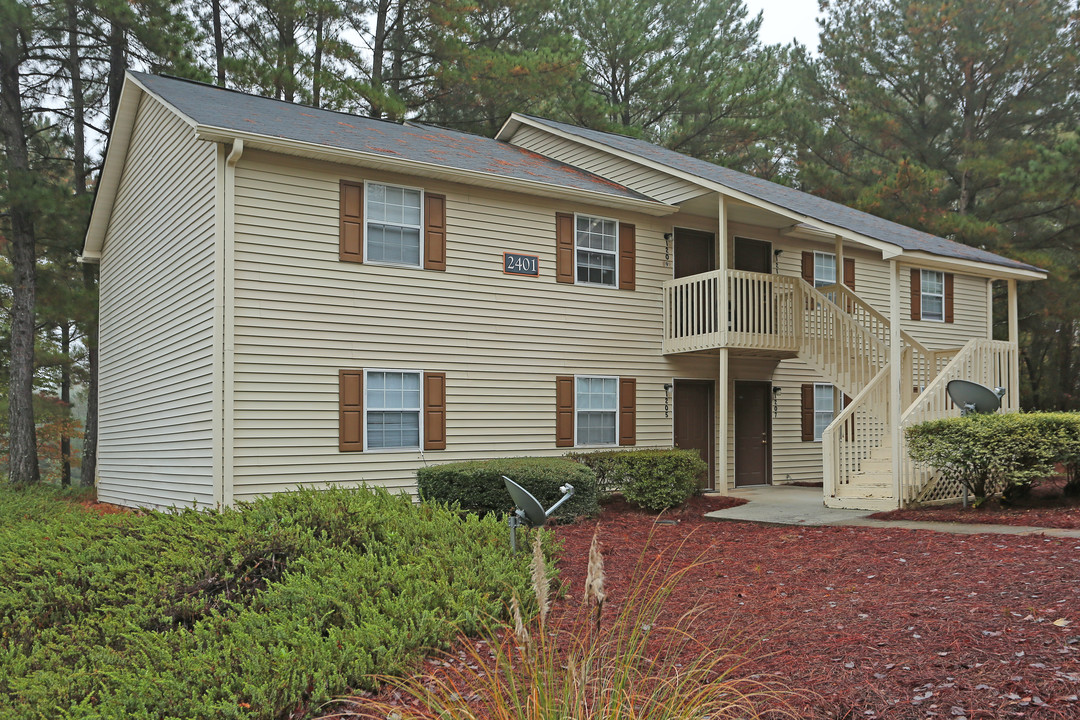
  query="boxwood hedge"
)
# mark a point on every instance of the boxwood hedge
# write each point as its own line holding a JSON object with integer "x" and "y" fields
{"x": 477, "y": 486}
{"x": 1000, "y": 453}
{"x": 654, "y": 479}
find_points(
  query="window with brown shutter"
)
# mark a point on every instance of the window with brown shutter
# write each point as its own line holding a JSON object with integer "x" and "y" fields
{"x": 434, "y": 231}
{"x": 564, "y": 248}
{"x": 350, "y": 410}
{"x": 807, "y": 412}
{"x": 434, "y": 411}
{"x": 627, "y": 411}
{"x": 564, "y": 411}
{"x": 627, "y": 258}
{"x": 948, "y": 297}
{"x": 849, "y": 272}
{"x": 916, "y": 294}
{"x": 808, "y": 267}
{"x": 351, "y": 229}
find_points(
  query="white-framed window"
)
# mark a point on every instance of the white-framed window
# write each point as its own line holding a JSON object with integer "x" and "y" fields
{"x": 596, "y": 249}
{"x": 932, "y": 302}
{"x": 824, "y": 408}
{"x": 596, "y": 404}
{"x": 393, "y": 224}
{"x": 824, "y": 269}
{"x": 392, "y": 409}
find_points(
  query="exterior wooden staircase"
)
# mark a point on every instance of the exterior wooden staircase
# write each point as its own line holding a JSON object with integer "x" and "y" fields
{"x": 846, "y": 340}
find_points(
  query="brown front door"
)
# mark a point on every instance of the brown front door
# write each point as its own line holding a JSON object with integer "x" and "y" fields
{"x": 694, "y": 418}
{"x": 753, "y": 433}
{"x": 695, "y": 252}
{"x": 752, "y": 255}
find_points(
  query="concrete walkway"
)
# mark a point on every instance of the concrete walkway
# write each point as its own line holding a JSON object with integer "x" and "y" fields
{"x": 792, "y": 505}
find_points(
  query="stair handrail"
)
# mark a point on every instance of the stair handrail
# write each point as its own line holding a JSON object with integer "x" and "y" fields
{"x": 831, "y": 440}
{"x": 933, "y": 402}
{"x": 876, "y": 352}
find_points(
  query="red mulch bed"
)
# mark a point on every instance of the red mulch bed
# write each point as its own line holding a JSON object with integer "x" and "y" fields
{"x": 874, "y": 623}
{"x": 101, "y": 508}
{"x": 1045, "y": 507}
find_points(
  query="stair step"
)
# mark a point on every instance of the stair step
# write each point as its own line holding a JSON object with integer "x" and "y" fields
{"x": 859, "y": 503}
{"x": 875, "y": 465}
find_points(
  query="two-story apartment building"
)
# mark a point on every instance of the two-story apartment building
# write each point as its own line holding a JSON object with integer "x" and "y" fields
{"x": 293, "y": 296}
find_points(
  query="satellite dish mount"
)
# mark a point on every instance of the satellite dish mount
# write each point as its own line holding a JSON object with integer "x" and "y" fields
{"x": 528, "y": 511}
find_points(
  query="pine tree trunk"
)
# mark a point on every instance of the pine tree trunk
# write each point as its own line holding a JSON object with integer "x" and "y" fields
{"x": 378, "y": 53}
{"x": 23, "y": 439}
{"x": 117, "y": 66}
{"x": 89, "y": 448}
{"x": 316, "y": 71}
{"x": 65, "y": 398}
{"x": 219, "y": 44}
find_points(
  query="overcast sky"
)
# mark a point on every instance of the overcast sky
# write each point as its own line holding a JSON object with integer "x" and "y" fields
{"x": 787, "y": 19}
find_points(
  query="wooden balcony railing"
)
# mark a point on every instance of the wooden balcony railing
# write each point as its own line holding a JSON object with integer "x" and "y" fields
{"x": 763, "y": 312}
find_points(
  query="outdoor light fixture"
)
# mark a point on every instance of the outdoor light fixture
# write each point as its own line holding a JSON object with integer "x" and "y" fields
{"x": 776, "y": 259}
{"x": 667, "y": 249}
{"x": 776, "y": 397}
{"x": 667, "y": 399}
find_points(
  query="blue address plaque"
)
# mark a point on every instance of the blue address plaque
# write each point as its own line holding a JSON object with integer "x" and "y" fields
{"x": 518, "y": 264}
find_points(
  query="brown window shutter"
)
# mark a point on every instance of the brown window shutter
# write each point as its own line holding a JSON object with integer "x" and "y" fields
{"x": 916, "y": 294}
{"x": 627, "y": 256}
{"x": 564, "y": 411}
{"x": 351, "y": 230}
{"x": 627, "y": 411}
{"x": 564, "y": 247}
{"x": 849, "y": 272}
{"x": 948, "y": 297}
{"x": 434, "y": 231}
{"x": 808, "y": 412}
{"x": 808, "y": 267}
{"x": 434, "y": 411}
{"x": 350, "y": 410}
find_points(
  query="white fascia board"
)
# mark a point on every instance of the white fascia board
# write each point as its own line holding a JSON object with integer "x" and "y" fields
{"x": 112, "y": 172}
{"x": 960, "y": 266}
{"x": 414, "y": 167}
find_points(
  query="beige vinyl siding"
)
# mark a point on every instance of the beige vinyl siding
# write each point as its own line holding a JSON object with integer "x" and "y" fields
{"x": 301, "y": 315}
{"x": 657, "y": 185}
{"x": 157, "y": 318}
{"x": 794, "y": 459}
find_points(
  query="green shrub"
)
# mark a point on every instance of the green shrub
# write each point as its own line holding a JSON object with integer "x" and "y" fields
{"x": 478, "y": 486}
{"x": 259, "y": 612}
{"x": 1000, "y": 453}
{"x": 652, "y": 479}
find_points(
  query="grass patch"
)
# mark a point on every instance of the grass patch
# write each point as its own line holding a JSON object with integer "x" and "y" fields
{"x": 261, "y": 612}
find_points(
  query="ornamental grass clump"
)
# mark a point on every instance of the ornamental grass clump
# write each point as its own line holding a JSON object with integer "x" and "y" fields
{"x": 593, "y": 663}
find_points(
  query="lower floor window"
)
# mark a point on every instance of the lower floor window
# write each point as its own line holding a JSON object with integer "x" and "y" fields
{"x": 824, "y": 408}
{"x": 596, "y": 404}
{"x": 393, "y": 409}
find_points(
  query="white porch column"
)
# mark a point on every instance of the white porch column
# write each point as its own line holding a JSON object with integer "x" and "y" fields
{"x": 895, "y": 377}
{"x": 1014, "y": 339}
{"x": 838, "y": 249}
{"x": 723, "y": 366}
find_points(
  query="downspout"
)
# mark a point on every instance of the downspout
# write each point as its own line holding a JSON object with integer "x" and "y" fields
{"x": 228, "y": 324}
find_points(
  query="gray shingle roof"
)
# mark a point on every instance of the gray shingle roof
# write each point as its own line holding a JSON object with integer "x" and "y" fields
{"x": 231, "y": 110}
{"x": 806, "y": 204}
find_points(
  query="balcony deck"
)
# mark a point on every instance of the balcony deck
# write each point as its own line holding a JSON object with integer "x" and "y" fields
{"x": 763, "y": 313}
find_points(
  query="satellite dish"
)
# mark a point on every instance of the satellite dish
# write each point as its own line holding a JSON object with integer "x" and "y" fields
{"x": 972, "y": 397}
{"x": 529, "y": 511}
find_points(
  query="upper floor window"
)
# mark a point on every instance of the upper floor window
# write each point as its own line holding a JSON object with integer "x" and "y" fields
{"x": 394, "y": 222}
{"x": 596, "y": 250}
{"x": 824, "y": 269}
{"x": 596, "y": 404}
{"x": 933, "y": 295}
